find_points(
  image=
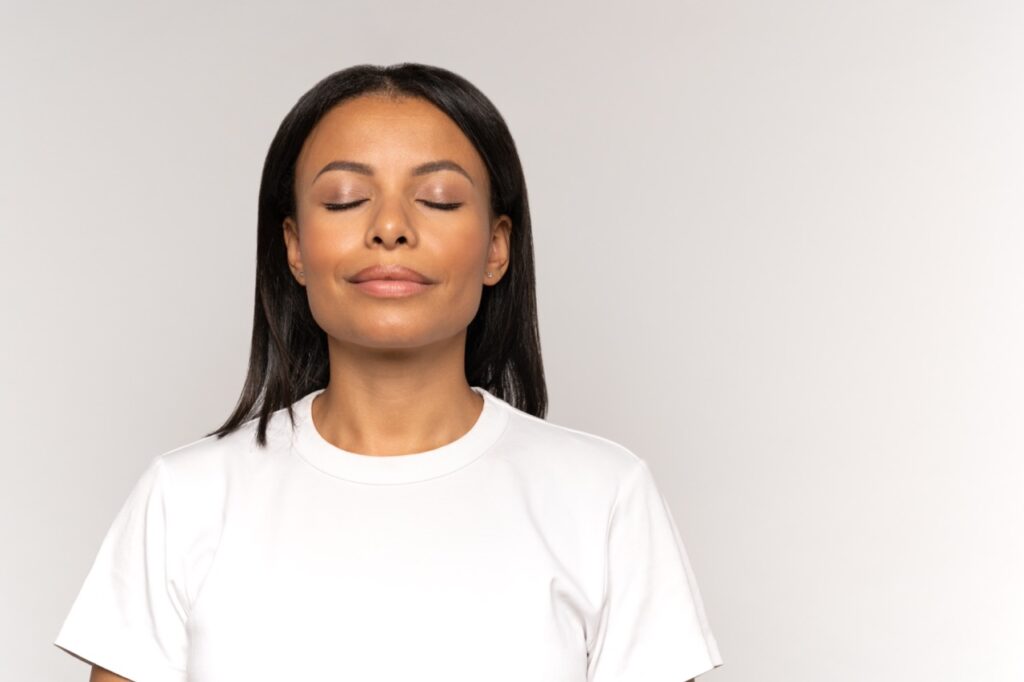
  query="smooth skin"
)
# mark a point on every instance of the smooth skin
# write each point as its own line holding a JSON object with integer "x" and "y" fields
{"x": 397, "y": 365}
{"x": 397, "y": 377}
{"x": 397, "y": 374}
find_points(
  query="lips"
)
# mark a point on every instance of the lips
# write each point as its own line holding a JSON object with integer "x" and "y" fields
{"x": 391, "y": 271}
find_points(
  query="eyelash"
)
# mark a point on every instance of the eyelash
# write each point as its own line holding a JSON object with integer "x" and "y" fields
{"x": 353, "y": 204}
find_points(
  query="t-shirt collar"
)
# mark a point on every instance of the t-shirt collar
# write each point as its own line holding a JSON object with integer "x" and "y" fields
{"x": 312, "y": 447}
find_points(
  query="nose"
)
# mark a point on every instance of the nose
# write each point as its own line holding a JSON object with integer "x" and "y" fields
{"x": 391, "y": 223}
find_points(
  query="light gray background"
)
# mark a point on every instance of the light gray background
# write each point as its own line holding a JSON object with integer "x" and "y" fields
{"x": 779, "y": 252}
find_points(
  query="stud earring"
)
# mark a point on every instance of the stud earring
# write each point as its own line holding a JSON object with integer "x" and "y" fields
{"x": 490, "y": 274}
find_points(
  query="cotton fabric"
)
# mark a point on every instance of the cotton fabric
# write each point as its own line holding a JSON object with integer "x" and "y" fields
{"x": 523, "y": 550}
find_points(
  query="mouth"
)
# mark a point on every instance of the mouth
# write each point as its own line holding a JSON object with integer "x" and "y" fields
{"x": 392, "y": 272}
{"x": 391, "y": 288}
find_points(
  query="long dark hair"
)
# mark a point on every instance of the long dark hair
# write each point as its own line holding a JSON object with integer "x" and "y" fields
{"x": 288, "y": 358}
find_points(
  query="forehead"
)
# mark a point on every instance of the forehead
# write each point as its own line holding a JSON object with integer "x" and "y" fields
{"x": 389, "y": 134}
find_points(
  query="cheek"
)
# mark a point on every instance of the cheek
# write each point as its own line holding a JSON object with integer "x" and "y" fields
{"x": 324, "y": 246}
{"x": 462, "y": 246}
{"x": 462, "y": 286}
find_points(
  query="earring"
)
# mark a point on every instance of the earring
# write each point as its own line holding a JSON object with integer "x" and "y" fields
{"x": 490, "y": 274}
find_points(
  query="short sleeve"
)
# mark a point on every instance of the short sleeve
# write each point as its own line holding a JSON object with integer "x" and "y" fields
{"x": 653, "y": 627}
{"x": 130, "y": 614}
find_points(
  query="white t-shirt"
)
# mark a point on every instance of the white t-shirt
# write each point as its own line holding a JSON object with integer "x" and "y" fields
{"x": 522, "y": 551}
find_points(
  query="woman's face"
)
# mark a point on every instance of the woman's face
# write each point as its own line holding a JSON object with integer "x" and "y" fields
{"x": 382, "y": 211}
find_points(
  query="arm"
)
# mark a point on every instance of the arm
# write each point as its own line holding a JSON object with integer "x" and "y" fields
{"x": 103, "y": 675}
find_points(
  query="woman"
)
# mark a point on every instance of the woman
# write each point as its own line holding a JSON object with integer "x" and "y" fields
{"x": 386, "y": 502}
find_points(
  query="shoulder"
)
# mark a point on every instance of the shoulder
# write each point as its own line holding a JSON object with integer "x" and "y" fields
{"x": 558, "y": 452}
{"x": 213, "y": 460}
{"x": 205, "y": 476}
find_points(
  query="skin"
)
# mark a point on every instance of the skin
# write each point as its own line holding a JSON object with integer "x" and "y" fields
{"x": 397, "y": 379}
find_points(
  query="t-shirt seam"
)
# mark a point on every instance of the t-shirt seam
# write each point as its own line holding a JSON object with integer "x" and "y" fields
{"x": 174, "y": 546}
{"x": 84, "y": 648}
{"x": 626, "y": 481}
{"x": 296, "y": 451}
{"x": 578, "y": 432}
{"x": 178, "y": 551}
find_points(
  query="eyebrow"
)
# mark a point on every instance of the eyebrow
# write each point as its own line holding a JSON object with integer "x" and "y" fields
{"x": 422, "y": 169}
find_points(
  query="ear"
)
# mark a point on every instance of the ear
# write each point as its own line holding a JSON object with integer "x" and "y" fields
{"x": 291, "y": 242}
{"x": 498, "y": 250}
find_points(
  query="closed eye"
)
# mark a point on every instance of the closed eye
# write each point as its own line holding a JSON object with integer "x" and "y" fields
{"x": 343, "y": 207}
{"x": 353, "y": 204}
{"x": 443, "y": 207}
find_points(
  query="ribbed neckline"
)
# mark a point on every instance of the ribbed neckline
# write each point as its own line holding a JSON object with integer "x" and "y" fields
{"x": 392, "y": 469}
